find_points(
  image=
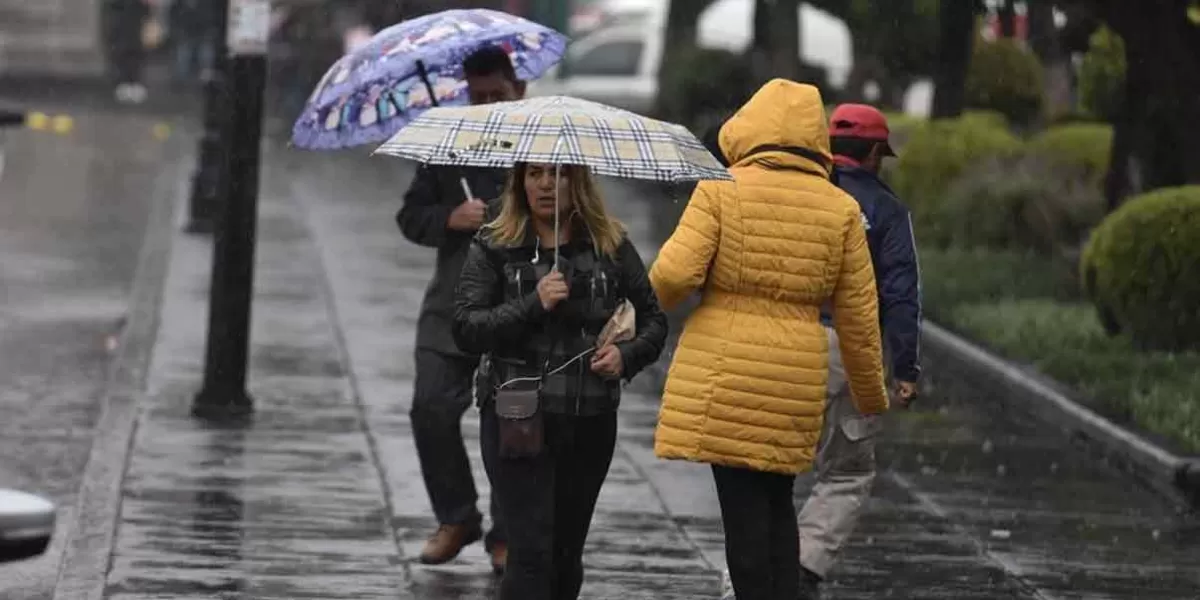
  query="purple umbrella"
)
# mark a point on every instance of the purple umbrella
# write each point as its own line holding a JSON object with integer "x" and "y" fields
{"x": 373, "y": 92}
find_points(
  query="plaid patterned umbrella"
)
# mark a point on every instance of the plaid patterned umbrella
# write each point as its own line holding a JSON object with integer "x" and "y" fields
{"x": 556, "y": 130}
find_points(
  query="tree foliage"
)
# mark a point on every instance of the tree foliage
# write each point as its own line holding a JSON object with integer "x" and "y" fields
{"x": 1005, "y": 77}
{"x": 1102, "y": 76}
{"x": 894, "y": 41}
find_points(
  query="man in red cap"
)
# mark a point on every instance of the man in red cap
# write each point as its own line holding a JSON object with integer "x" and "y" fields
{"x": 845, "y": 465}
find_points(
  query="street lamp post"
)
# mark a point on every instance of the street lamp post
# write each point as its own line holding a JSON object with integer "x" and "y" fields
{"x": 209, "y": 180}
{"x": 223, "y": 393}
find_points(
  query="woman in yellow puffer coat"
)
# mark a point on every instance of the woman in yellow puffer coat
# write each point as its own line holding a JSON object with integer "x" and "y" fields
{"x": 746, "y": 388}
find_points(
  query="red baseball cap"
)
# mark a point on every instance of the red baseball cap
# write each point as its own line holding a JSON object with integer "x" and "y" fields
{"x": 861, "y": 121}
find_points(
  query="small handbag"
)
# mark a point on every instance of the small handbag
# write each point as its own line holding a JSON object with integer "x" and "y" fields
{"x": 521, "y": 425}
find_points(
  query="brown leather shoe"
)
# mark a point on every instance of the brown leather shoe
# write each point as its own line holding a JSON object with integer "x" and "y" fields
{"x": 445, "y": 544}
{"x": 499, "y": 552}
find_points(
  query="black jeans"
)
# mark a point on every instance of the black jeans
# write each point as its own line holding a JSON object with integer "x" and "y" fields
{"x": 762, "y": 542}
{"x": 548, "y": 501}
{"x": 441, "y": 396}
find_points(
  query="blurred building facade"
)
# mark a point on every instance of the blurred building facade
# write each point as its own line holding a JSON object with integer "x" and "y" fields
{"x": 50, "y": 37}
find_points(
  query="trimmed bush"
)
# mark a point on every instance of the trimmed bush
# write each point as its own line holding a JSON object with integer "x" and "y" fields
{"x": 1005, "y": 77}
{"x": 1085, "y": 146}
{"x": 935, "y": 156}
{"x": 1102, "y": 76}
{"x": 954, "y": 277}
{"x": 1021, "y": 203}
{"x": 1141, "y": 269}
{"x": 984, "y": 118}
{"x": 902, "y": 127}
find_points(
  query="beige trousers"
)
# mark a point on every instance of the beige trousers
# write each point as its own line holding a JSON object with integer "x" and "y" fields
{"x": 844, "y": 471}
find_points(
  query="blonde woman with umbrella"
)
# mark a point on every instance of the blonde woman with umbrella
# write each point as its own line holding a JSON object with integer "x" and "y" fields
{"x": 545, "y": 294}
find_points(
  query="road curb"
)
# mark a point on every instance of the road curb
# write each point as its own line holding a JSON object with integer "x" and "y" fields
{"x": 993, "y": 378}
{"x": 90, "y": 535}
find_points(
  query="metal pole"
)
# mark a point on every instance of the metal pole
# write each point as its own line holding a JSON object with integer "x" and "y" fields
{"x": 209, "y": 179}
{"x": 224, "y": 390}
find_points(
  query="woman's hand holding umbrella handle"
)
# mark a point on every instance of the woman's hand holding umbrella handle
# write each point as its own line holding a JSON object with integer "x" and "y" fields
{"x": 552, "y": 289}
{"x": 468, "y": 216}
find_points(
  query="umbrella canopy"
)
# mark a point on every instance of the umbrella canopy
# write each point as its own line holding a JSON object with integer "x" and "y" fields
{"x": 557, "y": 130}
{"x": 371, "y": 93}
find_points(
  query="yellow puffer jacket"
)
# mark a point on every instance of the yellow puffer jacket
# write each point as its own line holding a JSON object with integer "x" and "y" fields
{"x": 746, "y": 387}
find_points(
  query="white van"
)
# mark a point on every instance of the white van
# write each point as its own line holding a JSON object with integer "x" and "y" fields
{"x": 618, "y": 64}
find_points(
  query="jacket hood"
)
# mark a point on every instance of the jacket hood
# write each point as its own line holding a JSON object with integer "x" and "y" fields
{"x": 783, "y": 124}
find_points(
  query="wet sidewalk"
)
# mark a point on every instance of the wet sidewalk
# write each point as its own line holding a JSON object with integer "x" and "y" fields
{"x": 321, "y": 496}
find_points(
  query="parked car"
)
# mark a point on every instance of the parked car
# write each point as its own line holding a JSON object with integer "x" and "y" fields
{"x": 26, "y": 520}
{"x": 618, "y": 63}
{"x": 590, "y": 15}
{"x": 26, "y": 525}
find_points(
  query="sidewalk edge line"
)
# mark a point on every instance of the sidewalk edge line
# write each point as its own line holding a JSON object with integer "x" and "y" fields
{"x": 666, "y": 508}
{"x": 930, "y": 506}
{"x": 91, "y": 534}
{"x": 302, "y": 199}
{"x": 1023, "y": 391}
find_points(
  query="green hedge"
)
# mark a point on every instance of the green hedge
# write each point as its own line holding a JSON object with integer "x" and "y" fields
{"x": 1157, "y": 390}
{"x": 1087, "y": 146}
{"x": 1021, "y": 203}
{"x": 935, "y": 155}
{"x": 1005, "y": 77}
{"x": 954, "y": 277}
{"x": 902, "y": 127}
{"x": 1142, "y": 268}
{"x": 1016, "y": 305}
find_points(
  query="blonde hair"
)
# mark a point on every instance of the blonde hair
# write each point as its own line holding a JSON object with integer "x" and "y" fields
{"x": 509, "y": 227}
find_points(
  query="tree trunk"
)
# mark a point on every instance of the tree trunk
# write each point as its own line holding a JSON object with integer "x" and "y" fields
{"x": 760, "y": 39}
{"x": 759, "y": 53}
{"x": 956, "y": 36}
{"x": 1162, "y": 104}
{"x": 775, "y": 44}
{"x": 683, "y": 17}
{"x": 1044, "y": 39}
{"x": 866, "y": 68}
{"x": 785, "y": 38}
{"x": 1118, "y": 183}
{"x": 1007, "y": 15}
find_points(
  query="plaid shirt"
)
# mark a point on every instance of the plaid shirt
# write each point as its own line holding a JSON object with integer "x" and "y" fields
{"x": 498, "y": 313}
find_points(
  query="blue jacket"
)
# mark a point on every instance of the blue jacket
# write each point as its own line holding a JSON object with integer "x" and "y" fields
{"x": 897, "y": 275}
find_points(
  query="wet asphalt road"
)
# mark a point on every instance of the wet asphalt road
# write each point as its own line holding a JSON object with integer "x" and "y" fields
{"x": 320, "y": 496}
{"x": 73, "y": 209}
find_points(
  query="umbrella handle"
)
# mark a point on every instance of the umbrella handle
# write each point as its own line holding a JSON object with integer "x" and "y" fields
{"x": 423, "y": 73}
{"x": 466, "y": 188}
{"x": 557, "y": 201}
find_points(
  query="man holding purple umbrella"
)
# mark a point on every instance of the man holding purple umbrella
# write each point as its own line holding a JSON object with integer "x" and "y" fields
{"x": 436, "y": 215}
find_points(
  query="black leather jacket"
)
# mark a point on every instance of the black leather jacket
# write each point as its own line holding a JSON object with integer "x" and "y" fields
{"x": 498, "y": 313}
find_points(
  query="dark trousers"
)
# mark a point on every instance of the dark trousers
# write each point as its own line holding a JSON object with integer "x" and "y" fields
{"x": 548, "y": 501}
{"x": 441, "y": 396}
{"x": 122, "y": 27}
{"x": 762, "y": 542}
